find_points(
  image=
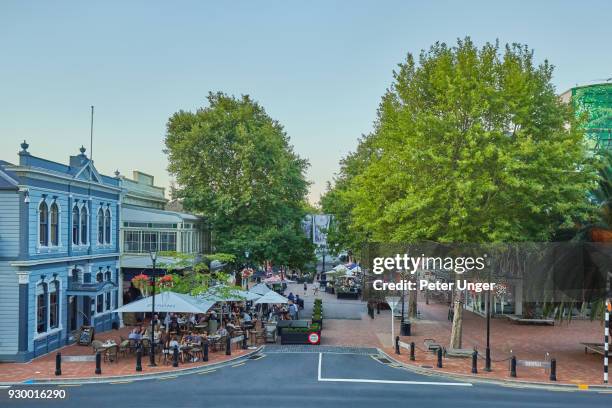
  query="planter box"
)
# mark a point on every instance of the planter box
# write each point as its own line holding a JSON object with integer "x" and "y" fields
{"x": 320, "y": 322}
{"x": 347, "y": 295}
{"x": 294, "y": 338}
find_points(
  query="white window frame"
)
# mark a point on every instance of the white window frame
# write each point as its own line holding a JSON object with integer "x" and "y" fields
{"x": 78, "y": 243}
{"x": 108, "y": 215}
{"x": 88, "y": 226}
{"x": 60, "y": 323}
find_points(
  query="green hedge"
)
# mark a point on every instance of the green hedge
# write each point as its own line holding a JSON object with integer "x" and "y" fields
{"x": 313, "y": 328}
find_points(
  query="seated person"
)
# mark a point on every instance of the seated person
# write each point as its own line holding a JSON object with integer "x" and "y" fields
{"x": 222, "y": 332}
{"x": 174, "y": 326}
{"x": 196, "y": 338}
{"x": 187, "y": 338}
{"x": 173, "y": 343}
{"x": 246, "y": 317}
{"x": 135, "y": 334}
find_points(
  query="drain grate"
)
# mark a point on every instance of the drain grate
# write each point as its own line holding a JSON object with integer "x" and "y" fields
{"x": 426, "y": 366}
{"x": 384, "y": 360}
{"x": 255, "y": 357}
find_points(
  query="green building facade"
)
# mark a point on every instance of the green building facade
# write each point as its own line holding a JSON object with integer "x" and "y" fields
{"x": 594, "y": 101}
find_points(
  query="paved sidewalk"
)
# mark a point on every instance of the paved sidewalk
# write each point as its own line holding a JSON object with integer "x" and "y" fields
{"x": 561, "y": 341}
{"x": 43, "y": 368}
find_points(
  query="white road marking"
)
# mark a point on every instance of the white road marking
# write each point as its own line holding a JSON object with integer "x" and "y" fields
{"x": 4, "y": 386}
{"x": 360, "y": 380}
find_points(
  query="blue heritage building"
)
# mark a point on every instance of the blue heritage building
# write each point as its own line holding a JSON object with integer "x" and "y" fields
{"x": 59, "y": 252}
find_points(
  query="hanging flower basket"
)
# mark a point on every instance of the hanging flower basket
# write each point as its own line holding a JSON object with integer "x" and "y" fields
{"x": 166, "y": 281}
{"x": 140, "y": 281}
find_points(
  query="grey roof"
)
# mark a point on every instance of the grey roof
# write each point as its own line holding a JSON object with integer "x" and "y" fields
{"x": 7, "y": 178}
{"x": 132, "y": 213}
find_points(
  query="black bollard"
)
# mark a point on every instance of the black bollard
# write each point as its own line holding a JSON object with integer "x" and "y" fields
{"x": 412, "y": 347}
{"x": 513, "y": 367}
{"x": 553, "y": 370}
{"x": 98, "y": 363}
{"x": 488, "y": 359}
{"x": 244, "y": 341}
{"x": 228, "y": 346}
{"x": 377, "y": 308}
{"x": 139, "y": 359}
{"x": 205, "y": 352}
{"x": 58, "y": 364}
{"x": 175, "y": 357}
{"x": 440, "y": 357}
{"x": 475, "y": 362}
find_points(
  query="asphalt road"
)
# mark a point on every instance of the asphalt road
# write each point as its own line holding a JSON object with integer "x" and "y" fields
{"x": 287, "y": 379}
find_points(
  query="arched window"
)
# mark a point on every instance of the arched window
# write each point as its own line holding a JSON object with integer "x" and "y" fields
{"x": 41, "y": 307}
{"x": 100, "y": 226}
{"x": 75, "y": 224}
{"x": 99, "y": 276}
{"x": 84, "y": 222}
{"x": 75, "y": 275}
{"x": 107, "y": 226}
{"x": 54, "y": 302}
{"x": 54, "y": 224}
{"x": 86, "y": 277}
{"x": 43, "y": 224}
{"x": 107, "y": 275}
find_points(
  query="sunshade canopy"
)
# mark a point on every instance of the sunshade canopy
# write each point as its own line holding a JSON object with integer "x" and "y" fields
{"x": 260, "y": 289}
{"x": 222, "y": 293}
{"x": 168, "y": 302}
{"x": 271, "y": 298}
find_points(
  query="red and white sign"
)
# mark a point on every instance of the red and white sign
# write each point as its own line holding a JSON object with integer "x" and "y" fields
{"x": 313, "y": 338}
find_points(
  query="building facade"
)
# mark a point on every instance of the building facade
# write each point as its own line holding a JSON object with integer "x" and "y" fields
{"x": 594, "y": 101}
{"x": 59, "y": 252}
{"x": 146, "y": 226}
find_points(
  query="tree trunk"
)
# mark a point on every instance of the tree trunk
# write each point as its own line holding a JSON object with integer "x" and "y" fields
{"x": 456, "y": 331}
{"x": 412, "y": 308}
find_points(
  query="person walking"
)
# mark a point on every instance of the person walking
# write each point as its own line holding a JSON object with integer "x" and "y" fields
{"x": 305, "y": 288}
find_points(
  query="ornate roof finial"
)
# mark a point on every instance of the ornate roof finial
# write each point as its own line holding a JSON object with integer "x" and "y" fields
{"x": 82, "y": 150}
{"x": 117, "y": 173}
{"x": 24, "y": 147}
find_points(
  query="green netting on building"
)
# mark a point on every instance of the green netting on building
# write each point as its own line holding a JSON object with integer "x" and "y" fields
{"x": 596, "y": 102}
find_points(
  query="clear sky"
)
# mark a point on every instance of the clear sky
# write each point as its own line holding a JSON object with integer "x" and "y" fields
{"x": 318, "y": 67}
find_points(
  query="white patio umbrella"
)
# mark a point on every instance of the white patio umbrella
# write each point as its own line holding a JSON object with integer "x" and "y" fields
{"x": 168, "y": 302}
{"x": 222, "y": 293}
{"x": 271, "y": 298}
{"x": 260, "y": 289}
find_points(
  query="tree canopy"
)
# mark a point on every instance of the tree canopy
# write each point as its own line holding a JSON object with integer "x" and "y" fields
{"x": 469, "y": 145}
{"x": 234, "y": 165}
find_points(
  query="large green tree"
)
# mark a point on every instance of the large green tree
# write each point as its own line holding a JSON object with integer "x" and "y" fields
{"x": 234, "y": 165}
{"x": 470, "y": 145}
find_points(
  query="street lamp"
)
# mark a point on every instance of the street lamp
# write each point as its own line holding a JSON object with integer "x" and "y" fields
{"x": 488, "y": 349}
{"x": 153, "y": 255}
{"x": 246, "y": 255}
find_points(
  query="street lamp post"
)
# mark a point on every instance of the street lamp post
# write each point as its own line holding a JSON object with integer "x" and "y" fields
{"x": 488, "y": 349}
{"x": 153, "y": 255}
{"x": 246, "y": 255}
